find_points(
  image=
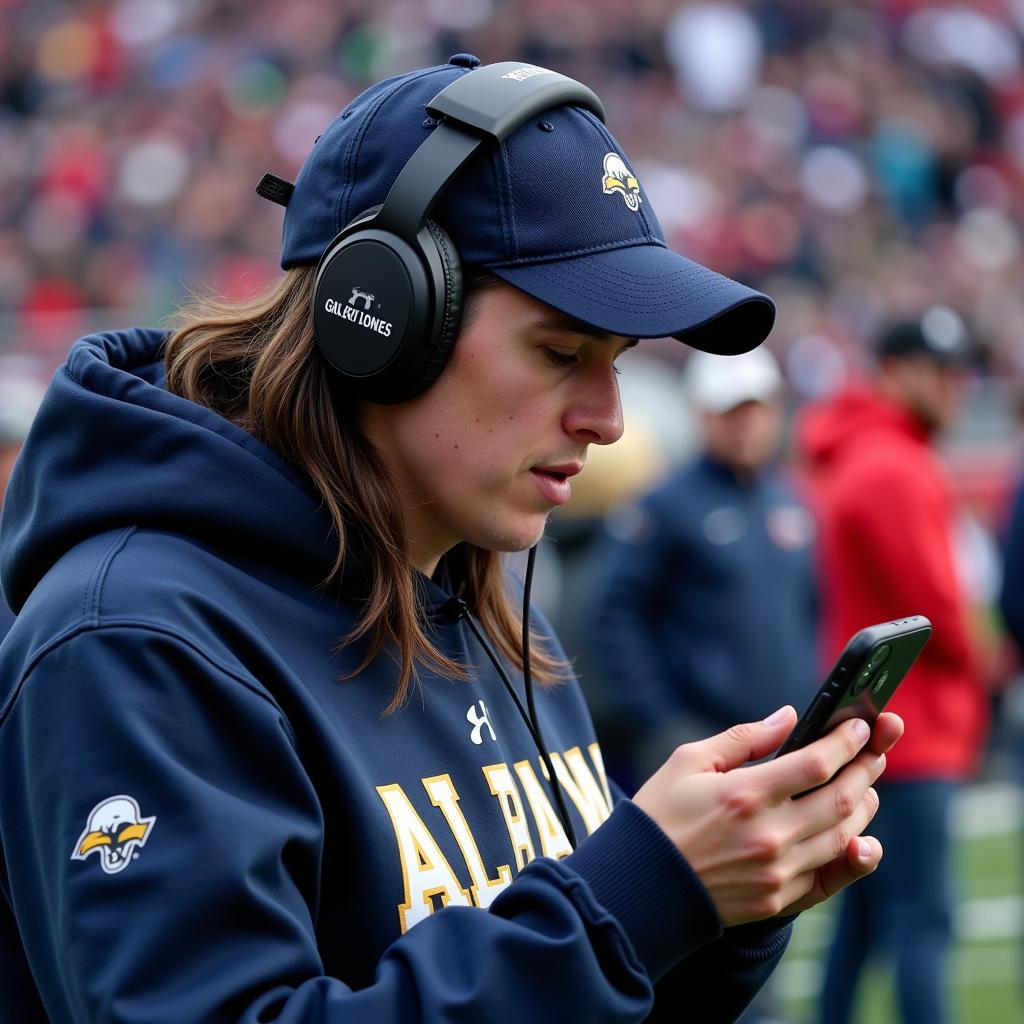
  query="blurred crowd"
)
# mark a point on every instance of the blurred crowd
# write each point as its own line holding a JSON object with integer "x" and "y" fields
{"x": 859, "y": 161}
{"x": 851, "y": 158}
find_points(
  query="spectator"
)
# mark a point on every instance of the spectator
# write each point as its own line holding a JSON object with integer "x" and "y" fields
{"x": 708, "y": 605}
{"x": 850, "y": 155}
{"x": 1011, "y": 595}
{"x": 1011, "y": 608}
{"x": 888, "y": 517}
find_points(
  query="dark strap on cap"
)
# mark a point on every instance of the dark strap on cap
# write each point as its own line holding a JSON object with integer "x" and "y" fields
{"x": 484, "y": 106}
{"x": 276, "y": 189}
{"x": 418, "y": 187}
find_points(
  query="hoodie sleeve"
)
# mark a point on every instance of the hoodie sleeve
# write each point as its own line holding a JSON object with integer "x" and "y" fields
{"x": 717, "y": 983}
{"x": 163, "y": 849}
{"x": 712, "y": 983}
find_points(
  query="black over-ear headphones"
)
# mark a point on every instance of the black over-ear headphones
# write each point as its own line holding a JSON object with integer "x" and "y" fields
{"x": 387, "y": 297}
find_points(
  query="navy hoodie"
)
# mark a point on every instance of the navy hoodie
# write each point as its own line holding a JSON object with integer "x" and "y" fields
{"x": 199, "y": 822}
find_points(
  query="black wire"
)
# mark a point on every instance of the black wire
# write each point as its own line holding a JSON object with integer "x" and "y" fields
{"x": 489, "y": 651}
{"x": 530, "y": 719}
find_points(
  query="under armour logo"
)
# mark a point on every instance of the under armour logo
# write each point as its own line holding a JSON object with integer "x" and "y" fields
{"x": 478, "y": 722}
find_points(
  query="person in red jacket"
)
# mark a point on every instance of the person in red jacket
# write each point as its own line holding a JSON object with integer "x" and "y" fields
{"x": 887, "y": 513}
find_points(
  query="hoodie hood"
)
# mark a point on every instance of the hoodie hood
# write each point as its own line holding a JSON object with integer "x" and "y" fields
{"x": 827, "y": 430}
{"x": 111, "y": 447}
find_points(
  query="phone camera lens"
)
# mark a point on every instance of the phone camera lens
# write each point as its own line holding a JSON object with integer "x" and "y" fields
{"x": 880, "y": 681}
{"x": 861, "y": 681}
{"x": 879, "y": 656}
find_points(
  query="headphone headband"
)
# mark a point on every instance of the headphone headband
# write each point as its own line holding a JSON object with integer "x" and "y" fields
{"x": 497, "y": 98}
{"x": 484, "y": 106}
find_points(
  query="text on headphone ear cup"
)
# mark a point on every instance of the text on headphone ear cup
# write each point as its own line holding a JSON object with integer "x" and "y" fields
{"x": 363, "y": 307}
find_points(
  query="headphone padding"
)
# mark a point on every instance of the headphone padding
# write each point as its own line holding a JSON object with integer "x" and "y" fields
{"x": 451, "y": 313}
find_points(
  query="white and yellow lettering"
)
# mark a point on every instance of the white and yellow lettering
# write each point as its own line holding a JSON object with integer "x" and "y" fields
{"x": 441, "y": 791}
{"x": 426, "y": 873}
{"x": 504, "y": 787}
{"x": 598, "y": 758}
{"x": 553, "y": 840}
{"x": 578, "y": 781}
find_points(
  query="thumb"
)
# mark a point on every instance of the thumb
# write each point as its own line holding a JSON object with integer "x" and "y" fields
{"x": 742, "y": 743}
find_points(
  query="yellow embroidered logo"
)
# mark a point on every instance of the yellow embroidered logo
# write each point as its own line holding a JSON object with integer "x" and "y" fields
{"x": 116, "y": 829}
{"x": 619, "y": 178}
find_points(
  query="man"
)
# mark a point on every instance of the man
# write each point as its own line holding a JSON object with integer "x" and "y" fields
{"x": 887, "y": 516}
{"x": 707, "y": 610}
{"x": 270, "y": 747}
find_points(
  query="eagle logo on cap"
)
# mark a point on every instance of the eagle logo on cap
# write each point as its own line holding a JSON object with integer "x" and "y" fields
{"x": 116, "y": 829}
{"x": 619, "y": 178}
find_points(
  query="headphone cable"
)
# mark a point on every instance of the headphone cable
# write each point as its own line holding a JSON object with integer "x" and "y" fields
{"x": 528, "y": 713}
{"x": 528, "y": 683}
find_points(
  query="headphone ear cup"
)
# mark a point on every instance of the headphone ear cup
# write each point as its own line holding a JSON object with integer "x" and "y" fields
{"x": 451, "y": 307}
{"x": 386, "y": 312}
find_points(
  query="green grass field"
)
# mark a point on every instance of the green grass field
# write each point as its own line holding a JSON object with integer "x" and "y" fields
{"x": 988, "y": 958}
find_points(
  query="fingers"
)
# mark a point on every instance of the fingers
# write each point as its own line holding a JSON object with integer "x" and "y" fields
{"x": 831, "y": 842}
{"x": 741, "y": 743}
{"x": 816, "y": 763}
{"x": 834, "y": 803}
{"x": 888, "y": 728}
{"x": 860, "y": 858}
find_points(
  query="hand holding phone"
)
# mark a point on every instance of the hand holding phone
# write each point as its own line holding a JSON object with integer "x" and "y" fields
{"x": 866, "y": 674}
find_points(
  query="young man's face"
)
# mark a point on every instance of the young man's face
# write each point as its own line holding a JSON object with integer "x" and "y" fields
{"x": 490, "y": 448}
{"x": 745, "y": 437}
{"x": 931, "y": 390}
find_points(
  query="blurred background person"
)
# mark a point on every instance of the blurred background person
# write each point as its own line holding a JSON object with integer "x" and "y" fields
{"x": 1011, "y": 609}
{"x": 707, "y": 602}
{"x": 1011, "y": 594}
{"x": 889, "y": 520}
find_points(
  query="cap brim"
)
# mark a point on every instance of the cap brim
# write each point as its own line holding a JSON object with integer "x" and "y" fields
{"x": 646, "y": 291}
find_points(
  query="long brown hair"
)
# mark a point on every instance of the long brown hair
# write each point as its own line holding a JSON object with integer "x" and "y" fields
{"x": 256, "y": 363}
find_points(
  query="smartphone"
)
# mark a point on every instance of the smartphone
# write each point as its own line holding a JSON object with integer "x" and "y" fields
{"x": 872, "y": 665}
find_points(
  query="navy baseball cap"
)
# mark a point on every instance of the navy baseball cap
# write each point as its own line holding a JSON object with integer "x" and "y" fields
{"x": 556, "y": 211}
